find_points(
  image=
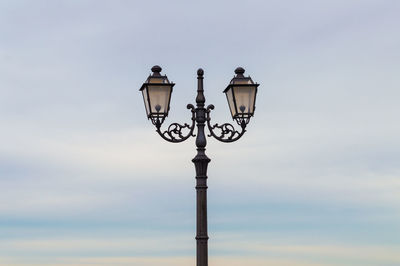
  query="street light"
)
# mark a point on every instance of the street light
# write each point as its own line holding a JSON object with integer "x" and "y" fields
{"x": 241, "y": 95}
{"x": 156, "y": 95}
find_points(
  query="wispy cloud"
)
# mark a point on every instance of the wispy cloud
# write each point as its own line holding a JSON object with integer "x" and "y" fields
{"x": 85, "y": 180}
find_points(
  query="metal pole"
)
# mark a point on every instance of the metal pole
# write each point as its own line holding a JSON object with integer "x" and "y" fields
{"x": 201, "y": 162}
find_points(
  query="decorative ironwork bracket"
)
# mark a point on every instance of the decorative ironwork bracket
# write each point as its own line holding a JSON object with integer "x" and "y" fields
{"x": 174, "y": 132}
{"x": 227, "y": 132}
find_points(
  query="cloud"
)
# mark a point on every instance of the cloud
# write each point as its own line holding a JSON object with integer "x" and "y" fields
{"x": 78, "y": 157}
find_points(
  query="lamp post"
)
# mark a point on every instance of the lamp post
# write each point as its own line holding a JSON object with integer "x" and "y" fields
{"x": 241, "y": 95}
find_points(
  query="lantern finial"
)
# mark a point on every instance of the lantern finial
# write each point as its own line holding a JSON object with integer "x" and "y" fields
{"x": 239, "y": 71}
{"x": 156, "y": 69}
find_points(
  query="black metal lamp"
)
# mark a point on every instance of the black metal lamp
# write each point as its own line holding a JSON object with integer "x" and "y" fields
{"x": 241, "y": 95}
{"x": 157, "y": 95}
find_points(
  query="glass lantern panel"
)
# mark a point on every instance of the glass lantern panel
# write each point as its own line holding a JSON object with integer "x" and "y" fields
{"x": 157, "y": 80}
{"x": 231, "y": 103}
{"x": 159, "y": 97}
{"x": 146, "y": 100}
{"x": 243, "y": 81}
{"x": 245, "y": 96}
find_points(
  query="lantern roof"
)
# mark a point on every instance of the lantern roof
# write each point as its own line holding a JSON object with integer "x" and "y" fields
{"x": 156, "y": 78}
{"x": 239, "y": 79}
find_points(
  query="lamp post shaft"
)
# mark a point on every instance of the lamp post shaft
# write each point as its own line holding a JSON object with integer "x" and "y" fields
{"x": 201, "y": 162}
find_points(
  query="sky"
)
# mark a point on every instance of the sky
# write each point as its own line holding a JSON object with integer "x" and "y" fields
{"x": 86, "y": 180}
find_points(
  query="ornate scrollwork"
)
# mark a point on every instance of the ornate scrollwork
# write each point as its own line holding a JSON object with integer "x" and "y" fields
{"x": 174, "y": 131}
{"x": 227, "y": 132}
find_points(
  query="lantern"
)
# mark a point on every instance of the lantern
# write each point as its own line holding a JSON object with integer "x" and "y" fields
{"x": 241, "y": 95}
{"x": 157, "y": 95}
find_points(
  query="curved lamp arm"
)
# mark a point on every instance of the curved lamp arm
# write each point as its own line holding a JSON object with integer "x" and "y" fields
{"x": 174, "y": 131}
{"x": 227, "y": 132}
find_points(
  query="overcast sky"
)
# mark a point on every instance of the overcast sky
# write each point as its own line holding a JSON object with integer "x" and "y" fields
{"x": 86, "y": 180}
